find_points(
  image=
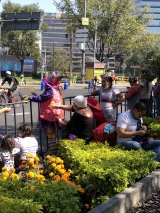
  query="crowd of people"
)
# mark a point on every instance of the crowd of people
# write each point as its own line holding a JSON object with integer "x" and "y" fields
{"x": 87, "y": 115}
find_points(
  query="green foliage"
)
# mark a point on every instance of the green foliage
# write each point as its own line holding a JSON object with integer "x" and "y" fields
{"x": 104, "y": 171}
{"x": 59, "y": 60}
{"x": 53, "y": 196}
{"x": 12, "y": 205}
{"x": 21, "y": 43}
{"x": 154, "y": 127}
{"x": 118, "y": 25}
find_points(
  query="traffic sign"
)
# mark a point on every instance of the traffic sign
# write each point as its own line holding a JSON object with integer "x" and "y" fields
{"x": 81, "y": 35}
{"x": 79, "y": 31}
{"x": 85, "y": 21}
{"x": 81, "y": 40}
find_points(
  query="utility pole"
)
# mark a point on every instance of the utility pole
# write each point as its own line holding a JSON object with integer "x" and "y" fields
{"x": 70, "y": 63}
{"x": 83, "y": 52}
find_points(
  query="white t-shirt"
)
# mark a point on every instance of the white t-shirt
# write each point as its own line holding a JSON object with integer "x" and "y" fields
{"x": 8, "y": 158}
{"x": 128, "y": 122}
{"x": 27, "y": 145}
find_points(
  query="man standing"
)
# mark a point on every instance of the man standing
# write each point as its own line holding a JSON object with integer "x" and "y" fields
{"x": 132, "y": 94}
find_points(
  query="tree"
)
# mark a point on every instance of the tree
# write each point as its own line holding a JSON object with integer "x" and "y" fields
{"x": 59, "y": 60}
{"x": 21, "y": 43}
{"x": 121, "y": 27}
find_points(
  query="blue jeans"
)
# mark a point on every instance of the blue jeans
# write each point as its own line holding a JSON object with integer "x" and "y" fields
{"x": 153, "y": 145}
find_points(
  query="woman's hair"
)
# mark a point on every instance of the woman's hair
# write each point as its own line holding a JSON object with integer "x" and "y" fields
{"x": 8, "y": 143}
{"x": 109, "y": 80}
{"x": 26, "y": 129}
{"x": 140, "y": 107}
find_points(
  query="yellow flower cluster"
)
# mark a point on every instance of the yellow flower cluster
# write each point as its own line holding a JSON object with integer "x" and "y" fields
{"x": 53, "y": 169}
{"x": 9, "y": 174}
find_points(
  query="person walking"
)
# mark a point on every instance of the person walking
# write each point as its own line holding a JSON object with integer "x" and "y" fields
{"x": 132, "y": 93}
{"x": 74, "y": 79}
{"x": 22, "y": 79}
{"x": 110, "y": 98}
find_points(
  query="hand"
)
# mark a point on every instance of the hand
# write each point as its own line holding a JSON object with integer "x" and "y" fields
{"x": 144, "y": 128}
{"x": 7, "y": 109}
{"x": 141, "y": 132}
{"x": 54, "y": 106}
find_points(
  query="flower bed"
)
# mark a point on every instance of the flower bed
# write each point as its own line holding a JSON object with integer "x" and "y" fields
{"x": 84, "y": 176}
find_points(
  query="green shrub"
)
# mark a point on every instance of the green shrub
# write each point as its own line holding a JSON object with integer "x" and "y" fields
{"x": 12, "y": 205}
{"x": 104, "y": 171}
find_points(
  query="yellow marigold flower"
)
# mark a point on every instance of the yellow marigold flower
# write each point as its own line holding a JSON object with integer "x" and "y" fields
{"x": 51, "y": 174}
{"x": 4, "y": 169}
{"x": 5, "y": 174}
{"x": 30, "y": 175}
{"x": 48, "y": 157}
{"x": 58, "y": 160}
{"x": 58, "y": 167}
{"x": 41, "y": 182}
{"x": 41, "y": 171}
{"x": 14, "y": 176}
{"x": 82, "y": 191}
{"x": 29, "y": 156}
{"x": 53, "y": 165}
{"x": 62, "y": 166}
{"x": 34, "y": 166}
{"x": 4, "y": 178}
{"x": 31, "y": 162}
{"x": 62, "y": 171}
{"x": 32, "y": 187}
{"x": 53, "y": 160}
{"x": 56, "y": 177}
{"x": 36, "y": 159}
{"x": 12, "y": 170}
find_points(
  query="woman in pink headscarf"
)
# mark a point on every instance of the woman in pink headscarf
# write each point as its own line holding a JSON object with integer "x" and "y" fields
{"x": 48, "y": 116}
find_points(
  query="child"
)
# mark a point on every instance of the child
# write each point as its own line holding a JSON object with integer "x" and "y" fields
{"x": 26, "y": 142}
{"x": 8, "y": 152}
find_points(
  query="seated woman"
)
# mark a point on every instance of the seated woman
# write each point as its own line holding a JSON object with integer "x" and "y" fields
{"x": 82, "y": 121}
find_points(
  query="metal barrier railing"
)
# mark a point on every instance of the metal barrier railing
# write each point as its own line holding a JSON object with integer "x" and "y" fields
{"x": 10, "y": 125}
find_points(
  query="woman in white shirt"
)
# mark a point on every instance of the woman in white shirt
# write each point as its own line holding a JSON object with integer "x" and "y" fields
{"x": 108, "y": 96}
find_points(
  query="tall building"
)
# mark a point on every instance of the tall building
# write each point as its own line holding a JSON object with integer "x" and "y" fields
{"x": 57, "y": 37}
{"x": 154, "y": 25}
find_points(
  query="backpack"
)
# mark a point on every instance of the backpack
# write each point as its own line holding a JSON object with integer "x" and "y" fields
{"x": 16, "y": 81}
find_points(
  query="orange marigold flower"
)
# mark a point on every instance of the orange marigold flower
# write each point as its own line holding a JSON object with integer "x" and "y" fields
{"x": 56, "y": 177}
{"x": 12, "y": 170}
{"x": 4, "y": 169}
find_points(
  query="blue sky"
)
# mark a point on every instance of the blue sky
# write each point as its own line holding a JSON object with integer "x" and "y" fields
{"x": 46, "y": 5}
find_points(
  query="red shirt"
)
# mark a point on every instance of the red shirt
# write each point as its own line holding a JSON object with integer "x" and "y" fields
{"x": 134, "y": 90}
